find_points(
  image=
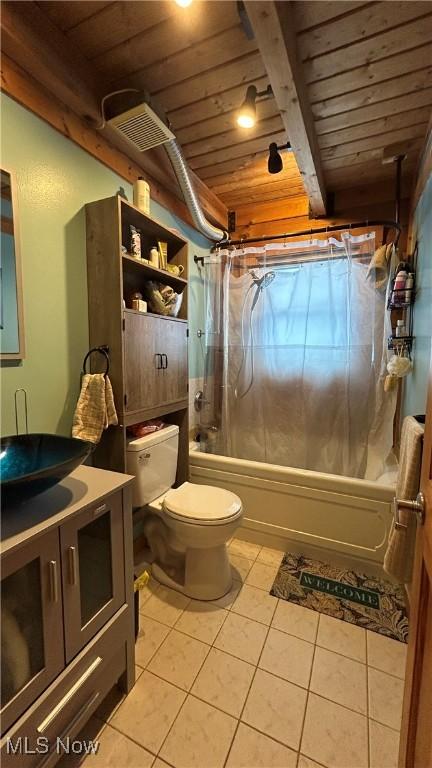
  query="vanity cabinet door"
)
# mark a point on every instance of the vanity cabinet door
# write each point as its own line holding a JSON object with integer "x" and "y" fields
{"x": 31, "y": 624}
{"x": 92, "y": 571}
{"x": 174, "y": 348}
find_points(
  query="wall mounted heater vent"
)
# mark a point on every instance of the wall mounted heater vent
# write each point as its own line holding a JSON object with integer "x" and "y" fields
{"x": 142, "y": 127}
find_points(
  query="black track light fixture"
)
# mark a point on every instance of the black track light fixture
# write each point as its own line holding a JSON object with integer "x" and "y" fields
{"x": 246, "y": 115}
{"x": 275, "y": 164}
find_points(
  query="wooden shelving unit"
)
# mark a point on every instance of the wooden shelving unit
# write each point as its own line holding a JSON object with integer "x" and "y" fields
{"x": 148, "y": 352}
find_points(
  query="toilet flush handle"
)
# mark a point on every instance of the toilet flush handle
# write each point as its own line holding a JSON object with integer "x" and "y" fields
{"x": 143, "y": 456}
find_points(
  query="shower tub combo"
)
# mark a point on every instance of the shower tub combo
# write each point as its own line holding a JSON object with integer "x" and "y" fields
{"x": 295, "y": 356}
{"x": 304, "y": 511}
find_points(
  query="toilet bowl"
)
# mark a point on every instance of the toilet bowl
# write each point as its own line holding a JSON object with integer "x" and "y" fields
{"x": 196, "y": 521}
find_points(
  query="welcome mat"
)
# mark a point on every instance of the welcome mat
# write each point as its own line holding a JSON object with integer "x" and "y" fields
{"x": 371, "y": 603}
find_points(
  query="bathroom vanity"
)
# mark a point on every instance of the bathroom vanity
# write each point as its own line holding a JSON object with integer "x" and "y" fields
{"x": 67, "y": 611}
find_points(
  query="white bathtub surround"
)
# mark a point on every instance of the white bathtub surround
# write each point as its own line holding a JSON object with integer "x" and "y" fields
{"x": 235, "y": 698}
{"x": 325, "y": 516}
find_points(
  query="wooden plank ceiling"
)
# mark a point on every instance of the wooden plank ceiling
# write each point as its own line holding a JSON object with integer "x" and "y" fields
{"x": 367, "y": 68}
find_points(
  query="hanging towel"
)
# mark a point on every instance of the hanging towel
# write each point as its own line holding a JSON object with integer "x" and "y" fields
{"x": 95, "y": 409}
{"x": 379, "y": 265}
{"x": 398, "y": 560}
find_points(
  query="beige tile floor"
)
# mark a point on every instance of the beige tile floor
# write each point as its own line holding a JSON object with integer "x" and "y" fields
{"x": 251, "y": 681}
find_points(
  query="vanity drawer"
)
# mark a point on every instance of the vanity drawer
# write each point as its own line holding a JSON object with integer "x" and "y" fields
{"x": 64, "y": 708}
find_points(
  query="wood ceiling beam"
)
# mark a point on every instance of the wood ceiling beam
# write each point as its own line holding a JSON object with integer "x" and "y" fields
{"x": 36, "y": 45}
{"x": 273, "y": 25}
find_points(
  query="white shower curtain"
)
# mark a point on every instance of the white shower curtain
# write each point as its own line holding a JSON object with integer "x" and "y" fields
{"x": 296, "y": 364}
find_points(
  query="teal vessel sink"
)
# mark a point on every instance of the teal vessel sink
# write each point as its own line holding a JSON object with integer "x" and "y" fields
{"x": 29, "y": 464}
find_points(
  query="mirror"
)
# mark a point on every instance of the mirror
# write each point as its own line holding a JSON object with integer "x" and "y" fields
{"x": 11, "y": 312}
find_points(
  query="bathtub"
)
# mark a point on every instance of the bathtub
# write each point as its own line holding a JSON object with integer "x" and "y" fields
{"x": 304, "y": 511}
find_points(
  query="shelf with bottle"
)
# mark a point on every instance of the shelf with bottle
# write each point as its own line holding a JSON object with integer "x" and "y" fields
{"x": 146, "y": 271}
{"x": 399, "y": 343}
{"x": 402, "y": 292}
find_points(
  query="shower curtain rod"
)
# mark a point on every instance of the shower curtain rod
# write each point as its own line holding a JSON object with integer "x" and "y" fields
{"x": 320, "y": 230}
{"x": 298, "y": 257}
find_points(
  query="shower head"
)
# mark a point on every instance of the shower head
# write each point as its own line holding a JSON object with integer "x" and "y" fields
{"x": 264, "y": 281}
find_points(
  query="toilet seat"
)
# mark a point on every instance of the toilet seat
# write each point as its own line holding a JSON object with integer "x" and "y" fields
{"x": 202, "y": 504}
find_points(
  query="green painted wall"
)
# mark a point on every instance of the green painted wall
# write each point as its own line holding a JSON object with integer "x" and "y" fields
{"x": 415, "y": 390}
{"x": 55, "y": 179}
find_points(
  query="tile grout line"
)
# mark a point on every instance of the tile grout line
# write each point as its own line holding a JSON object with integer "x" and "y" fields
{"x": 269, "y": 626}
{"x": 279, "y": 677}
{"x": 239, "y": 720}
{"x": 211, "y": 645}
{"x": 284, "y": 631}
{"x": 308, "y": 692}
{"x": 188, "y": 692}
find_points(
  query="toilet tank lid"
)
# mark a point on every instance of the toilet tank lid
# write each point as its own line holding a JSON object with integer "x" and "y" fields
{"x": 140, "y": 443}
{"x": 202, "y": 502}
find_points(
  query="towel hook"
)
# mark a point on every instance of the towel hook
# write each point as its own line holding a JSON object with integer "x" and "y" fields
{"x": 102, "y": 351}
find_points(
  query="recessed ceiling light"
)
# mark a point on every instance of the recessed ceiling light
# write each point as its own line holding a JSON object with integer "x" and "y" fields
{"x": 183, "y": 3}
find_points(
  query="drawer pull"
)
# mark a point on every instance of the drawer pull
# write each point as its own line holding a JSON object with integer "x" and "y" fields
{"x": 53, "y": 581}
{"x": 99, "y": 510}
{"x": 72, "y": 565}
{"x": 72, "y": 724}
{"x": 69, "y": 695}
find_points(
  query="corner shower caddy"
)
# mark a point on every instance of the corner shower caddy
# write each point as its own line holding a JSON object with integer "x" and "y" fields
{"x": 400, "y": 302}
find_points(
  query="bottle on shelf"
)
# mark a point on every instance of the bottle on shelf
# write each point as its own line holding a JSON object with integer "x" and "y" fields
{"x": 400, "y": 329}
{"x": 398, "y": 288}
{"x": 154, "y": 257}
{"x": 141, "y": 195}
{"x": 409, "y": 284}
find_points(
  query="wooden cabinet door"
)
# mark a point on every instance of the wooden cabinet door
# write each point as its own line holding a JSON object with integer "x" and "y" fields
{"x": 31, "y": 624}
{"x": 174, "y": 347}
{"x": 92, "y": 571}
{"x": 156, "y": 361}
{"x": 141, "y": 337}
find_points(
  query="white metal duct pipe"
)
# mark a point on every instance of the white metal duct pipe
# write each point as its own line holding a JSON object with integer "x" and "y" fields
{"x": 182, "y": 172}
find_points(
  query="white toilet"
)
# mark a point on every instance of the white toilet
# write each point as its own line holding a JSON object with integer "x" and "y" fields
{"x": 197, "y": 520}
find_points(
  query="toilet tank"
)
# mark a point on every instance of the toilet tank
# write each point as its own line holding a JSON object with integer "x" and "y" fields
{"x": 153, "y": 461}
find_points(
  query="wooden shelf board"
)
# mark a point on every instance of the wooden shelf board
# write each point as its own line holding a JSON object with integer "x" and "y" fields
{"x": 153, "y": 413}
{"x": 154, "y": 273}
{"x": 154, "y": 314}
